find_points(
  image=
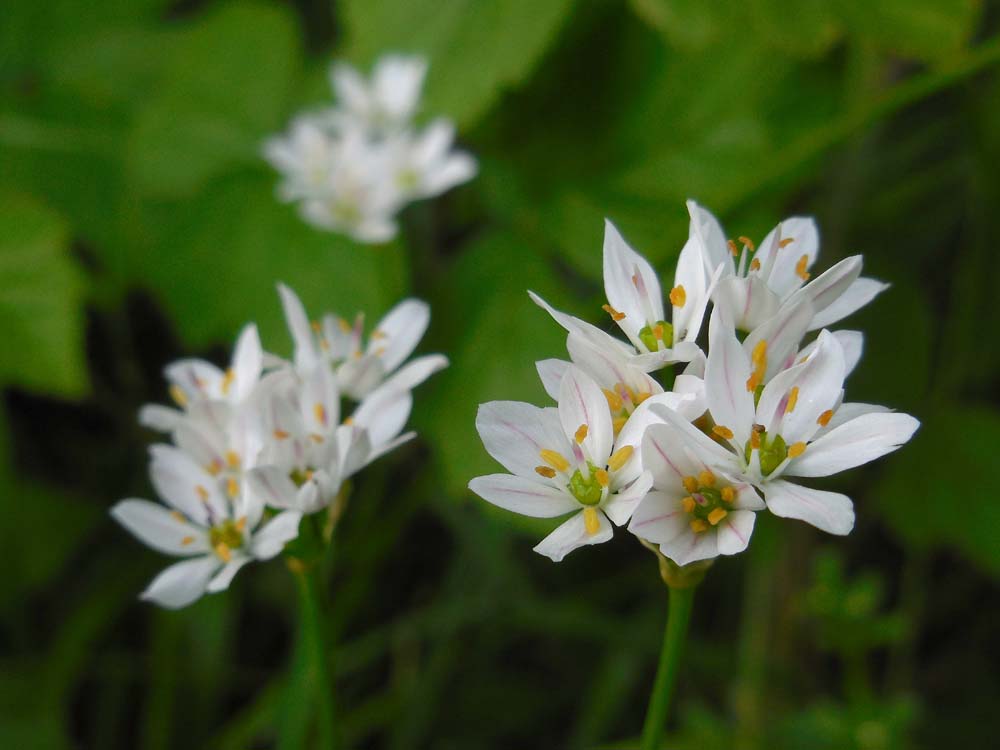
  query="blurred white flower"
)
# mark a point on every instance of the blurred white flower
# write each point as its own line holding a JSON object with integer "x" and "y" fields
{"x": 352, "y": 166}
{"x": 216, "y": 532}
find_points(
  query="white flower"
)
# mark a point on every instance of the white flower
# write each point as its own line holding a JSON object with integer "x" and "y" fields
{"x": 217, "y": 534}
{"x": 305, "y": 157}
{"x": 787, "y": 428}
{"x": 389, "y": 100}
{"x": 696, "y": 509}
{"x": 635, "y": 303}
{"x": 562, "y": 460}
{"x": 425, "y": 164}
{"x": 757, "y": 282}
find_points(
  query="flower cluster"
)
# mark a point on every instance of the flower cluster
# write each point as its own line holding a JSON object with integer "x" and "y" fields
{"x": 259, "y": 444}
{"x": 688, "y": 463}
{"x": 352, "y": 166}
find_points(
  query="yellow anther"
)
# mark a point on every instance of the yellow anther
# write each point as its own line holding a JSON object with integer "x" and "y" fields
{"x": 678, "y": 296}
{"x": 343, "y": 325}
{"x": 215, "y": 467}
{"x": 658, "y": 332}
{"x": 227, "y": 380}
{"x": 732, "y": 247}
{"x": 319, "y": 411}
{"x": 202, "y": 492}
{"x": 554, "y": 459}
{"x": 241, "y": 523}
{"x": 602, "y": 477}
{"x": 618, "y": 422}
{"x": 581, "y": 433}
{"x": 755, "y": 264}
{"x": 688, "y": 504}
{"x": 723, "y": 432}
{"x": 591, "y": 521}
{"x": 717, "y": 515}
{"x": 793, "y": 399}
{"x": 800, "y": 268}
{"x": 317, "y": 438}
{"x": 546, "y": 471}
{"x": 759, "y": 353}
{"x": 728, "y": 494}
{"x": 796, "y": 449}
{"x": 754, "y": 380}
{"x": 377, "y": 334}
{"x": 280, "y": 435}
{"x": 324, "y": 344}
{"x": 614, "y": 400}
{"x": 698, "y": 526}
{"x": 187, "y": 540}
{"x": 223, "y": 551}
{"x": 749, "y": 243}
{"x": 615, "y": 315}
{"x": 824, "y": 419}
{"x": 638, "y": 398}
{"x": 178, "y": 516}
{"x": 316, "y": 326}
{"x": 620, "y": 457}
{"x": 755, "y": 436}
{"x": 233, "y": 459}
{"x": 178, "y": 395}
{"x": 232, "y": 487}
{"x": 786, "y": 242}
{"x": 349, "y": 420}
{"x": 706, "y": 478}
{"x": 690, "y": 483}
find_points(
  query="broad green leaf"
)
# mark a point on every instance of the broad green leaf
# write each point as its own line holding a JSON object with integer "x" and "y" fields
{"x": 924, "y": 29}
{"x": 41, "y": 305}
{"x": 476, "y": 50}
{"x": 223, "y": 90}
{"x": 936, "y": 491}
{"x": 216, "y": 263}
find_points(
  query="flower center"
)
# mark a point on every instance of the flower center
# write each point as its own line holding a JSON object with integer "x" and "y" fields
{"x": 588, "y": 490}
{"x": 654, "y": 334}
{"x": 772, "y": 449}
{"x": 708, "y": 504}
{"x": 227, "y": 536}
{"x": 622, "y": 401}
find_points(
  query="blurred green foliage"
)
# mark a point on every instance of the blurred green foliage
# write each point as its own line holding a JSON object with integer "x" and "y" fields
{"x": 138, "y": 223}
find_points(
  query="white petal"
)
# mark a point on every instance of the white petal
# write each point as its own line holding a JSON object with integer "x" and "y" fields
{"x": 306, "y": 355}
{"x": 854, "y": 443}
{"x": 598, "y": 337}
{"x": 699, "y": 446}
{"x": 248, "y": 359}
{"x": 182, "y": 583}
{"x": 524, "y": 496}
{"x": 690, "y": 547}
{"x": 197, "y": 378}
{"x": 847, "y": 411}
{"x": 383, "y": 413}
{"x": 582, "y": 403}
{"x": 853, "y": 344}
{"x": 630, "y": 284}
{"x": 225, "y": 576}
{"x": 690, "y": 274}
{"x": 350, "y": 88}
{"x": 401, "y": 329}
{"x": 748, "y": 300}
{"x": 783, "y": 333}
{"x": 271, "y": 486}
{"x": 726, "y": 375}
{"x": 415, "y": 372}
{"x": 551, "y": 372}
{"x": 780, "y": 264}
{"x": 156, "y": 527}
{"x": 827, "y": 288}
{"x": 620, "y": 505}
{"x": 733, "y": 533}
{"x": 660, "y": 518}
{"x": 160, "y": 418}
{"x": 707, "y": 230}
{"x": 827, "y": 511}
{"x": 514, "y": 433}
{"x": 573, "y": 534}
{"x": 270, "y": 539}
{"x": 747, "y": 497}
{"x": 186, "y": 485}
{"x": 857, "y": 295}
{"x": 665, "y": 455}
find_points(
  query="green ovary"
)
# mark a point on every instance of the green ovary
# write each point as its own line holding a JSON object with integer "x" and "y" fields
{"x": 587, "y": 490}
{"x": 647, "y": 335}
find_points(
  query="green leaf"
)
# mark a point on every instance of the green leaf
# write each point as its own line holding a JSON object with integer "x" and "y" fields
{"x": 223, "y": 90}
{"x": 923, "y": 29}
{"x": 938, "y": 489}
{"x": 216, "y": 263}
{"x": 41, "y": 306}
{"x": 476, "y": 50}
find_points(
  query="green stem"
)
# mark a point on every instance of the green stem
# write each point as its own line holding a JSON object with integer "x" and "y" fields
{"x": 678, "y": 617}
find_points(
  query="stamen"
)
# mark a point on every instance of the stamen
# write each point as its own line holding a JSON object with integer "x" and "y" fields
{"x": 280, "y": 435}
{"x": 723, "y": 432}
{"x": 202, "y": 493}
{"x": 698, "y": 526}
{"x": 688, "y": 504}
{"x": 316, "y": 326}
{"x": 615, "y": 315}
{"x": 717, "y": 515}
{"x": 187, "y": 540}
{"x": 706, "y": 478}
{"x": 733, "y": 249}
{"x": 227, "y": 381}
{"x": 319, "y": 411}
{"x": 793, "y": 399}
{"x": 786, "y": 242}
{"x": 755, "y": 439}
{"x": 232, "y": 487}
{"x": 349, "y": 420}
{"x": 602, "y": 477}
{"x": 620, "y": 457}
{"x": 796, "y": 449}
{"x": 824, "y": 419}
{"x": 223, "y": 551}
{"x": 690, "y": 483}
{"x": 658, "y": 332}
{"x": 754, "y": 381}
{"x": 614, "y": 400}
{"x": 749, "y": 243}
{"x": 591, "y": 521}
{"x": 581, "y": 434}
{"x": 554, "y": 459}
{"x": 728, "y": 494}
{"x": 178, "y": 395}
{"x": 317, "y": 438}
{"x": 618, "y": 422}
{"x": 233, "y": 459}
{"x": 215, "y": 467}
{"x": 344, "y": 325}
{"x": 759, "y": 353}
{"x": 546, "y": 471}
{"x": 241, "y": 523}
{"x": 678, "y": 296}
{"x": 755, "y": 264}
{"x": 377, "y": 334}
{"x": 178, "y": 516}
{"x": 800, "y": 268}
{"x": 638, "y": 398}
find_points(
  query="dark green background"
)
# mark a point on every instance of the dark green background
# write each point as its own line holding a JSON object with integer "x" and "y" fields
{"x": 138, "y": 224}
